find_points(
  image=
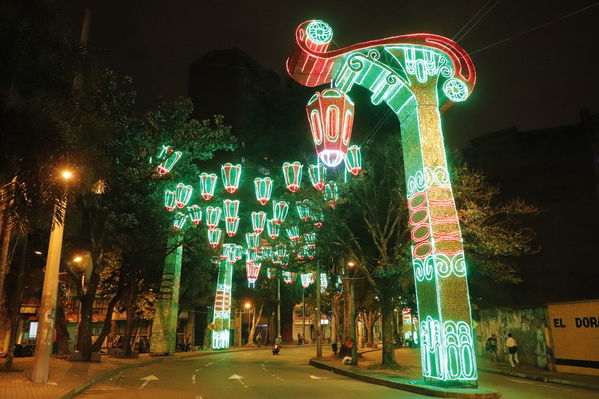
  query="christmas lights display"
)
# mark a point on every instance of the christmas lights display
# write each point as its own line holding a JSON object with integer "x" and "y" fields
{"x": 183, "y": 194}
{"x": 221, "y": 319}
{"x": 231, "y": 208}
{"x": 238, "y": 252}
{"x": 318, "y": 175}
{"x": 280, "y": 252}
{"x": 169, "y": 157}
{"x": 331, "y": 193}
{"x": 416, "y": 75}
{"x": 293, "y": 233}
{"x": 304, "y": 210}
{"x": 318, "y": 218}
{"x": 331, "y": 116}
{"x": 252, "y": 270}
{"x": 271, "y": 272}
{"x": 258, "y": 221}
{"x": 293, "y": 175}
{"x": 231, "y": 226}
{"x": 353, "y": 160}
{"x": 179, "y": 221}
{"x": 288, "y": 277}
{"x": 272, "y": 228}
{"x": 195, "y": 214}
{"x": 252, "y": 240}
{"x": 263, "y": 188}
{"x": 207, "y": 185}
{"x": 229, "y": 253}
{"x": 310, "y": 240}
{"x": 213, "y": 216}
{"x": 324, "y": 282}
{"x": 307, "y": 279}
{"x": 169, "y": 200}
{"x": 265, "y": 252}
{"x": 279, "y": 211}
{"x": 231, "y": 175}
{"x": 214, "y": 237}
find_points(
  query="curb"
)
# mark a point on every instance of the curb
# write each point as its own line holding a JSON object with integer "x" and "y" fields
{"x": 105, "y": 375}
{"x": 541, "y": 378}
{"x": 406, "y": 384}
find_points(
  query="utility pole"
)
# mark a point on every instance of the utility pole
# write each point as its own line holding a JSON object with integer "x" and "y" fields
{"x": 318, "y": 315}
{"x": 303, "y": 315}
{"x": 279, "y": 306}
{"x": 352, "y": 314}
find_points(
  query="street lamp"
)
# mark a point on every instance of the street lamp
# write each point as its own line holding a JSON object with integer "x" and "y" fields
{"x": 77, "y": 259}
{"x": 352, "y": 312}
{"x": 248, "y": 306}
{"x": 47, "y": 310}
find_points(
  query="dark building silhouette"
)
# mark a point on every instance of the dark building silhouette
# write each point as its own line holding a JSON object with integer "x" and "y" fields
{"x": 556, "y": 169}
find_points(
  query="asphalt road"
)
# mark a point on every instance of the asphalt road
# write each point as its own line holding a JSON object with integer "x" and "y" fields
{"x": 259, "y": 374}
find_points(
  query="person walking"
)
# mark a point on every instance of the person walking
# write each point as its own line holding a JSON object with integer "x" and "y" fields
{"x": 258, "y": 339}
{"x": 492, "y": 347}
{"x": 512, "y": 348}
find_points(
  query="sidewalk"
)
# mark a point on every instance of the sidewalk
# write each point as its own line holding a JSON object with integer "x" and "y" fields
{"x": 68, "y": 378}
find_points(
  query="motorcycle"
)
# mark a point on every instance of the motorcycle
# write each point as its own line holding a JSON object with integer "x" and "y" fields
{"x": 276, "y": 349}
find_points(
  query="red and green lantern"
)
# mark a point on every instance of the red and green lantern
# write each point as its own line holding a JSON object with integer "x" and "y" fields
{"x": 231, "y": 175}
{"x": 293, "y": 233}
{"x": 183, "y": 194}
{"x": 272, "y": 228}
{"x": 195, "y": 214}
{"x": 318, "y": 175}
{"x": 231, "y": 208}
{"x": 293, "y": 175}
{"x": 331, "y": 193}
{"x": 231, "y": 226}
{"x": 214, "y": 237}
{"x": 252, "y": 240}
{"x": 258, "y": 221}
{"x": 213, "y": 214}
{"x": 279, "y": 211}
{"x": 207, "y": 185}
{"x": 288, "y": 277}
{"x": 179, "y": 221}
{"x": 169, "y": 200}
{"x": 169, "y": 159}
{"x": 353, "y": 160}
{"x": 263, "y": 188}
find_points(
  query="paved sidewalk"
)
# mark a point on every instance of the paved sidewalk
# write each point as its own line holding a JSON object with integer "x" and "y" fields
{"x": 66, "y": 376}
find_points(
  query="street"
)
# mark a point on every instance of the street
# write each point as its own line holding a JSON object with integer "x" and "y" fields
{"x": 259, "y": 374}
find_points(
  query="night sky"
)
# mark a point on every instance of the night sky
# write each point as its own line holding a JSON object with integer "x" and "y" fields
{"x": 537, "y": 80}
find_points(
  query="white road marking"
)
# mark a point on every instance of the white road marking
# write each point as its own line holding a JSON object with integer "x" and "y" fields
{"x": 208, "y": 364}
{"x": 147, "y": 379}
{"x": 199, "y": 397}
{"x": 196, "y": 370}
{"x": 193, "y": 379}
{"x": 520, "y": 381}
{"x": 262, "y": 365}
{"x": 277, "y": 377}
{"x": 238, "y": 378}
{"x": 313, "y": 377}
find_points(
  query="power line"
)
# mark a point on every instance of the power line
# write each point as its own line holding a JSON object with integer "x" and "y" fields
{"x": 535, "y": 28}
{"x": 477, "y": 21}
{"x": 470, "y": 20}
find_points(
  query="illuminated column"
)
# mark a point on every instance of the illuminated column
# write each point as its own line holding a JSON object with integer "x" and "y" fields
{"x": 222, "y": 306}
{"x": 164, "y": 325}
{"x": 416, "y": 76}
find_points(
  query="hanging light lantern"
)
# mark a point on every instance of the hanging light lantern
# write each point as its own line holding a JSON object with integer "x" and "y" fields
{"x": 214, "y": 237}
{"x": 293, "y": 175}
{"x": 195, "y": 214}
{"x": 207, "y": 185}
{"x": 169, "y": 158}
{"x": 179, "y": 221}
{"x": 231, "y": 208}
{"x": 304, "y": 210}
{"x": 231, "y": 226}
{"x": 258, "y": 220}
{"x": 252, "y": 240}
{"x": 272, "y": 227}
{"x": 318, "y": 218}
{"x": 265, "y": 252}
{"x": 288, "y": 277}
{"x": 238, "y": 252}
{"x": 331, "y": 193}
{"x": 213, "y": 216}
{"x": 231, "y": 175}
{"x": 183, "y": 194}
{"x": 300, "y": 254}
{"x": 169, "y": 200}
{"x": 263, "y": 188}
{"x": 279, "y": 211}
{"x": 271, "y": 272}
{"x": 318, "y": 175}
{"x": 310, "y": 240}
{"x": 307, "y": 279}
{"x": 228, "y": 253}
{"x": 309, "y": 252}
{"x": 293, "y": 233}
{"x": 324, "y": 283}
{"x": 331, "y": 115}
{"x": 353, "y": 160}
{"x": 252, "y": 270}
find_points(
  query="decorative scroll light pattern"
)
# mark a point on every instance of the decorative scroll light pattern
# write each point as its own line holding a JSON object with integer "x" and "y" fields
{"x": 169, "y": 159}
{"x": 207, "y": 185}
{"x": 353, "y": 160}
{"x": 183, "y": 194}
{"x": 279, "y": 211}
{"x": 195, "y": 214}
{"x": 293, "y": 175}
{"x": 272, "y": 227}
{"x": 213, "y": 216}
{"x": 258, "y": 221}
{"x": 231, "y": 175}
{"x": 169, "y": 200}
{"x": 214, "y": 237}
{"x": 318, "y": 175}
{"x": 263, "y": 188}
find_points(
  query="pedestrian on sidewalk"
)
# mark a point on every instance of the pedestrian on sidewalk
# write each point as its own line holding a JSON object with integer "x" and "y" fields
{"x": 512, "y": 348}
{"x": 258, "y": 339}
{"x": 492, "y": 347}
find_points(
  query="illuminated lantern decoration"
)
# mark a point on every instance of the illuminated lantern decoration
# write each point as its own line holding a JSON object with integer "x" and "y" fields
{"x": 169, "y": 157}
{"x": 214, "y": 237}
{"x": 293, "y": 233}
{"x": 310, "y": 239}
{"x": 252, "y": 270}
{"x": 231, "y": 208}
{"x": 288, "y": 277}
{"x": 169, "y": 200}
{"x": 215, "y": 260}
{"x": 279, "y": 211}
{"x": 238, "y": 252}
{"x": 195, "y": 214}
{"x": 309, "y": 252}
{"x": 263, "y": 188}
{"x": 318, "y": 218}
{"x": 258, "y": 220}
{"x": 331, "y": 116}
{"x": 324, "y": 282}
{"x": 207, "y": 185}
{"x": 272, "y": 227}
{"x": 231, "y": 175}
{"x": 265, "y": 252}
{"x": 331, "y": 193}
{"x": 271, "y": 272}
{"x": 179, "y": 222}
{"x": 353, "y": 160}
{"x": 307, "y": 279}
{"x": 301, "y": 254}
{"x": 183, "y": 195}
{"x": 252, "y": 240}
{"x": 228, "y": 252}
{"x": 231, "y": 226}
{"x": 213, "y": 216}
{"x": 304, "y": 210}
{"x": 293, "y": 175}
{"x": 280, "y": 251}
{"x": 318, "y": 174}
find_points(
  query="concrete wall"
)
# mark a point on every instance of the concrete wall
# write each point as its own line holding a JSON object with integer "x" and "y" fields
{"x": 528, "y": 326}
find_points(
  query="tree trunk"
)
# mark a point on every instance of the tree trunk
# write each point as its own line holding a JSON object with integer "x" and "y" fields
{"x": 84, "y": 333}
{"x": 369, "y": 320}
{"x": 388, "y": 356}
{"x": 130, "y": 311}
{"x": 97, "y": 345}
{"x": 16, "y": 304}
{"x": 347, "y": 316}
{"x": 338, "y": 318}
{"x": 62, "y": 334}
{"x": 253, "y": 329}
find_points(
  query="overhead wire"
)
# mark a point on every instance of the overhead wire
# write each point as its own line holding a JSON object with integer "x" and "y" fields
{"x": 470, "y": 20}
{"x": 463, "y": 35}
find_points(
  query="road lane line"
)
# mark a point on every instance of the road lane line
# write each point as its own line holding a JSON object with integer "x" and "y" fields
{"x": 193, "y": 379}
{"x": 277, "y": 377}
{"x": 208, "y": 364}
{"x": 263, "y": 368}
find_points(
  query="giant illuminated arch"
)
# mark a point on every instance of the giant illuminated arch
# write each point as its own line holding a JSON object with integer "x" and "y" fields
{"x": 416, "y": 75}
